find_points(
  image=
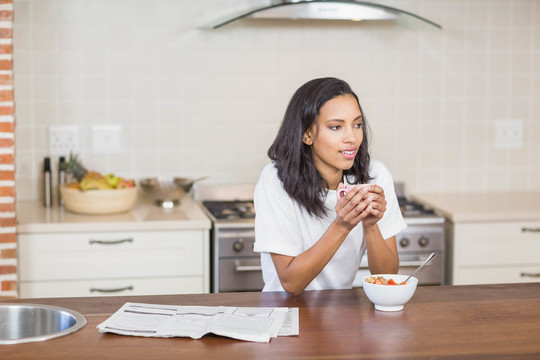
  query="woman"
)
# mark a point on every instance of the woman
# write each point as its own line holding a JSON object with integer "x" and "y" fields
{"x": 308, "y": 239}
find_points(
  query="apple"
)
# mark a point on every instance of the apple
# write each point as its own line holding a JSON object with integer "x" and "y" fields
{"x": 112, "y": 180}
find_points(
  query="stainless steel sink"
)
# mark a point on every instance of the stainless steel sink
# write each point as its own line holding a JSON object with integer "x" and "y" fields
{"x": 20, "y": 323}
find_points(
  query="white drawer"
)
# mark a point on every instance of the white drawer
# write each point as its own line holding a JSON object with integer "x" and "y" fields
{"x": 497, "y": 244}
{"x": 121, "y": 287}
{"x": 111, "y": 255}
{"x": 497, "y": 275}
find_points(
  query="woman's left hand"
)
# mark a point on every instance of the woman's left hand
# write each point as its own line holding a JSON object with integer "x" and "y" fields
{"x": 376, "y": 205}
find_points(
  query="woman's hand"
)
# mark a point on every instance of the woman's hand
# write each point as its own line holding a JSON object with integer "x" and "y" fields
{"x": 376, "y": 205}
{"x": 365, "y": 204}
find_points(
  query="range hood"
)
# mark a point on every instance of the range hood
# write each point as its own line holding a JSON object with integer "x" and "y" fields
{"x": 319, "y": 10}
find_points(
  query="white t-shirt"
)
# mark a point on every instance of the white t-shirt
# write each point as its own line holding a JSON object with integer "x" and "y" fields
{"x": 282, "y": 226}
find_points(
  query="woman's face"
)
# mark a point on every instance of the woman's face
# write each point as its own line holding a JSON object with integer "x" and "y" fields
{"x": 335, "y": 137}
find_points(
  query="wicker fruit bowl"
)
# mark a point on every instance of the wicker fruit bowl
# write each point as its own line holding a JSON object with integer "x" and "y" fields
{"x": 98, "y": 202}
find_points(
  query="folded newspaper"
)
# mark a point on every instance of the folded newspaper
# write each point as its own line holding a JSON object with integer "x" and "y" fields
{"x": 258, "y": 324}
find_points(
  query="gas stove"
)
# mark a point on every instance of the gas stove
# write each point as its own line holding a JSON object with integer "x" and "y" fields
{"x": 231, "y": 209}
{"x": 413, "y": 212}
{"x": 228, "y": 205}
{"x": 234, "y": 210}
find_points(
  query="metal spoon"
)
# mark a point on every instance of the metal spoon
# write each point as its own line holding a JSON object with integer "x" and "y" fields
{"x": 427, "y": 261}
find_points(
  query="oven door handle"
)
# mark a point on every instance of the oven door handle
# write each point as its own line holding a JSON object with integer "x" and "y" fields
{"x": 412, "y": 263}
{"x": 245, "y": 268}
{"x": 402, "y": 263}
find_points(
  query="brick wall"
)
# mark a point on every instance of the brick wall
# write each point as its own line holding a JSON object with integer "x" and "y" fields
{"x": 8, "y": 238}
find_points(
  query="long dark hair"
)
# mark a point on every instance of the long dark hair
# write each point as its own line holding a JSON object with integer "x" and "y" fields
{"x": 293, "y": 159}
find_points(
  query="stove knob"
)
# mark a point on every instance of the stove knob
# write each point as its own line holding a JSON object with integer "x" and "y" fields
{"x": 423, "y": 241}
{"x": 404, "y": 242}
{"x": 238, "y": 246}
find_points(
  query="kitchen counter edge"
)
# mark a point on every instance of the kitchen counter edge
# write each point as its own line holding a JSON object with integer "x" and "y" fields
{"x": 483, "y": 206}
{"x": 33, "y": 217}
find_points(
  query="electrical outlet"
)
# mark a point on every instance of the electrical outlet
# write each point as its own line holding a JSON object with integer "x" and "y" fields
{"x": 63, "y": 140}
{"x": 106, "y": 139}
{"x": 509, "y": 134}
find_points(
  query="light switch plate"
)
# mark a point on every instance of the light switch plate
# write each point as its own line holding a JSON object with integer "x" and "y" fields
{"x": 63, "y": 140}
{"x": 106, "y": 139}
{"x": 509, "y": 134}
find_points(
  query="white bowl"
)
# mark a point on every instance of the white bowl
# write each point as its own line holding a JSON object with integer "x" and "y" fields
{"x": 390, "y": 297}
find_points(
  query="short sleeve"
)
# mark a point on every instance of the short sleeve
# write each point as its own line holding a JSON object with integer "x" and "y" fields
{"x": 276, "y": 226}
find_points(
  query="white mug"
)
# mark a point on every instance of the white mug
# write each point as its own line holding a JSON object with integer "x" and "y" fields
{"x": 347, "y": 188}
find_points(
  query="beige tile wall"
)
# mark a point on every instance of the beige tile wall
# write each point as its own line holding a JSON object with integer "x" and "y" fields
{"x": 197, "y": 102}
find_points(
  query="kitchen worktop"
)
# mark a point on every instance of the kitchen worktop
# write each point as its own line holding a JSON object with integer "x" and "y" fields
{"x": 33, "y": 217}
{"x": 469, "y": 322}
{"x": 483, "y": 206}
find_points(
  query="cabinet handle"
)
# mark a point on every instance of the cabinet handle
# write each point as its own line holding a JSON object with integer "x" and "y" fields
{"x": 526, "y": 229}
{"x": 111, "y": 290}
{"x": 524, "y": 274}
{"x": 110, "y": 242}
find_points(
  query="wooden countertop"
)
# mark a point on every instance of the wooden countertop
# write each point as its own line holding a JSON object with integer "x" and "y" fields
{"x": 33, "y": 217}
{"x": 469, "y": 322}
{"x": 484, "y": 206}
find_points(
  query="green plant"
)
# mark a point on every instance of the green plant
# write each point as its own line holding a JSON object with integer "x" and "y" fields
{"x": 74, "y": 168}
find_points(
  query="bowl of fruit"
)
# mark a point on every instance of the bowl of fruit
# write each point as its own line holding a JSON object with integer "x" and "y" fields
{"x": 93, "y": 193}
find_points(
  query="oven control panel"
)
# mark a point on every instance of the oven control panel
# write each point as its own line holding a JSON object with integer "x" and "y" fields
{"x": 236, "y": 243}
{"x": 421, "y": 238}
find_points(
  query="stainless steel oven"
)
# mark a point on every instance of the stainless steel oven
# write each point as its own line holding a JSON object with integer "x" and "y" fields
{"x": 234, "y": 264}
{"x": 236, "y": 267}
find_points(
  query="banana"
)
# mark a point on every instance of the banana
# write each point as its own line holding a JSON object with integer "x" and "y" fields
{"x": 94, "y": 181}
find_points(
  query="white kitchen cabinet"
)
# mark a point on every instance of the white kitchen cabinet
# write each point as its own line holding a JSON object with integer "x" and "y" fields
{"x": 147, "y": 251}
{"x": 497, "y": 275}
{"x": 96, "y": 263}
{"x": 487, "y": 253}
{"x": 492, "y": 237}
